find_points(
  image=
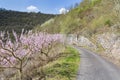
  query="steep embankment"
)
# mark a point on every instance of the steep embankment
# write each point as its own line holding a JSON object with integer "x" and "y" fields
{"x": 88, "y": 18}
{"x": 93, "y": 24}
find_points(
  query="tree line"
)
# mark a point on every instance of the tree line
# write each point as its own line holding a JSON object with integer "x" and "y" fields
{"x": 15, "y": 20}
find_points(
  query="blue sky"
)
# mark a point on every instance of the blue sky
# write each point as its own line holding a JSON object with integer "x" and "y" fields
{"x": 45, "y": 6}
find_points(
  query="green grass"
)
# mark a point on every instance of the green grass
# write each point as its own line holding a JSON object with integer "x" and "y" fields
{"x": 64, "y": 68}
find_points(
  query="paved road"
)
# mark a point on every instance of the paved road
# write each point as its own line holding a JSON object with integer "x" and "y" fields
{"x": 93, "y": 67}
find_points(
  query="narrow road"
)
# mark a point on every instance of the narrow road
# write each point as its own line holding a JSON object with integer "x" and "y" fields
{"x": 93, "y": 67}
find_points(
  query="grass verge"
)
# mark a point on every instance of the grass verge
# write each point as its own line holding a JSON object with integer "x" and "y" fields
{"x": 64, "y": 68}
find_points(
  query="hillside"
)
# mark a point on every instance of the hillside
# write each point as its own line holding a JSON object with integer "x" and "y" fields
{"x": 18, "y": 20}
{"x": 93, "y": 24}
{"x": 87, "y": 18}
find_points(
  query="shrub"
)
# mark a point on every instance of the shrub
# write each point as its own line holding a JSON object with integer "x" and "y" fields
{"x": 108, "y": 22}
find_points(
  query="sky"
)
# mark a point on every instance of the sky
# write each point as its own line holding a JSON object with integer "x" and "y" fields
{"x": 44, "y": 6}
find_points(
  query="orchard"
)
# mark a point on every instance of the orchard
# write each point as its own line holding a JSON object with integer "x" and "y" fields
{"x": 15, "y": 53}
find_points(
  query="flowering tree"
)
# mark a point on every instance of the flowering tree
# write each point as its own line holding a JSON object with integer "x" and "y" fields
{"x": 15, "y": 53}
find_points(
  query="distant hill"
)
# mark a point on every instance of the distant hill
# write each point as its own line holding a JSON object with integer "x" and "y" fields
{"x": 18, "y": 20}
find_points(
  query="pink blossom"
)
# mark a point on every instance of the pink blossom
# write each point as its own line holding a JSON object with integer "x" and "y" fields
{"x": 29, "y": 43}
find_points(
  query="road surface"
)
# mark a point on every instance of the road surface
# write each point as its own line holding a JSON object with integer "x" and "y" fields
{"x": 93, "y": 67}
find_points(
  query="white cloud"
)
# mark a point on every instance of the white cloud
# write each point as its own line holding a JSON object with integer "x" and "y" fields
{"x": 32, "y": 9}
{"x": 63, "y": 11}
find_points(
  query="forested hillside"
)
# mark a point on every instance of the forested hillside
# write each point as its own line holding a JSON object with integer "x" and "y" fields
{"x": 18, "y": 20}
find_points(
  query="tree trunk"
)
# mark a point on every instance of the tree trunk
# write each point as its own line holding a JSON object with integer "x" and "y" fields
{"x": 21, "y": 71}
